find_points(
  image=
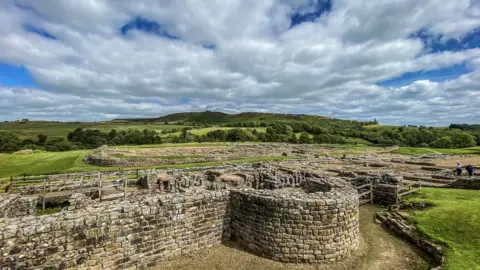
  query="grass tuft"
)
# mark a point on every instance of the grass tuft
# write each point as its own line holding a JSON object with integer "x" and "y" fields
{"x": 454, "y": 221}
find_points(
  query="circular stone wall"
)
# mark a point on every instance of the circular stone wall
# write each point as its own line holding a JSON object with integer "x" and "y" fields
{"x": 300, "y": 226}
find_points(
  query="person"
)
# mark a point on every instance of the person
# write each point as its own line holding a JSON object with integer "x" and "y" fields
{"x": 459, "y": 169}
{"x": 470, "y": 170}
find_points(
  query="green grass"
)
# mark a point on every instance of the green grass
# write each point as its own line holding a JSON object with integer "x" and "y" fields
{"x": 429, "y": 151}
{"x": 48, "y": 211}
{"x": 357, "y": 140}
{"x": 73, "y": 161}
{"x": 30, "y": 130}
{"x": 454, "y": 221}
{"x": 40, "y": 163}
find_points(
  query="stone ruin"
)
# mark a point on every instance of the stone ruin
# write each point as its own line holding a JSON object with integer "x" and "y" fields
{"x": 289, "y": 216}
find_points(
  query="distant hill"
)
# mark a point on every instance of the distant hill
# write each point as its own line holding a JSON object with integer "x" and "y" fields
{"x": 209, "y": 117}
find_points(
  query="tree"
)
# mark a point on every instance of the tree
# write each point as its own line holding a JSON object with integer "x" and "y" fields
{"x": 59, "y": 144}
{"x": 443, "y": 142}
{"x": 9, "y": 142}
{"x": 463, "y": 140}
{"x": 238, "y": 134}
{"x": 305, "y": 138}
{"x": 293, "y": 138}
{"x": 42, "y": 139}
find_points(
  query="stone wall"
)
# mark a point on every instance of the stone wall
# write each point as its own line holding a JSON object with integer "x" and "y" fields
{"x": 466, "y": 183}
{"x": 385, "y": 194}
{"x": 12, "y": 206}
{"x": 296, "y": 227}
{"x": 116, "y": 235}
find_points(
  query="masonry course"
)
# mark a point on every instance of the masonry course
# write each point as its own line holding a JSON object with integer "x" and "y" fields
{"x": 151, "y": 226}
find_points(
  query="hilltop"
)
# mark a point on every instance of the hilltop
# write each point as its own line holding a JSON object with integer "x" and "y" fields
{"x": 211, "y": 117}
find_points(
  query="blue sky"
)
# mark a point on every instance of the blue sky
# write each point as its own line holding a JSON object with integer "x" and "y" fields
{"x": 15, "y": 76}
{"x": 401, "y": 62}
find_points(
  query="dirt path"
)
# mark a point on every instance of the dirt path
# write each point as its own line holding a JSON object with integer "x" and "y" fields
{"x": 379, "y": 250}
{"x": 431, "y": 150}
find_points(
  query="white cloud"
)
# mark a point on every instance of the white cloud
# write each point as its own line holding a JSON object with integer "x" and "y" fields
{"x": 326, "y": 67}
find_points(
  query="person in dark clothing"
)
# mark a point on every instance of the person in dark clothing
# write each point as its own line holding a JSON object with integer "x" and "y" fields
{"x": 470, "y": 170}
{"x": 459, "y": 169}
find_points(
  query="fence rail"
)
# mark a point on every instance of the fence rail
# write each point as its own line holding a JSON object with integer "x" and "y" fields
{"x": 101, "y": 185}
{"x": 365, "y": 193}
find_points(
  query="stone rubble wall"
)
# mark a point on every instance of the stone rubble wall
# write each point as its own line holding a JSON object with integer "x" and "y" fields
{"x": 12, "y": 206}
{"x": 397, "y": 223}
{"x": 385, "y": 194}
{"x": 298, "y": 227}
{"x": 466, "y": 183}
{"x": 117, "y": 235}
{"x": 385, "y": 186}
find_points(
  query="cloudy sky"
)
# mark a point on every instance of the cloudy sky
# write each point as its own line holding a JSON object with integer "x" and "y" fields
{"x": 401, "y": 62}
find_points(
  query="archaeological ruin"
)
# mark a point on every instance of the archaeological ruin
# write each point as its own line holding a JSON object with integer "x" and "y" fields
{"x": 295, "y": 211}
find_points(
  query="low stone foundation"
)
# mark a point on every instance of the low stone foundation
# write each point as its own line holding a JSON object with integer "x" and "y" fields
{"x": 12, "y": 206}
{"x": 116, "y": 235}
{"x": 296, "y": 217}
{"x": 470, "y": 183}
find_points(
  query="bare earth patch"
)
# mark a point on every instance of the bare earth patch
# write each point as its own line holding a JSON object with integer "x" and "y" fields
{"x": 452, "y": 162}
{"x": 379, "y": 250}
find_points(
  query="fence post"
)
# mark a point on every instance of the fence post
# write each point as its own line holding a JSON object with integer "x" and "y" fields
{"x": 371, "y": 192}
{"x": 396, "y": 195}
{"x": 44, "y": 191}
{"x": 11, "y": 184}
{"x": 99, "y": 185}
{"x": 81, "y": 184}
{"x": 137, "y": 174}
{"x": 125, "y": 180}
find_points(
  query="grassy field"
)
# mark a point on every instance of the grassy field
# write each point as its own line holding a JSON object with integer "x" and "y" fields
{"x": 429, "y": 151}
{"x": 72, "y": 161}
{"x": 40, "y": 163}
{"x": 30, "y": 130}
{"x": 454, "y": 221}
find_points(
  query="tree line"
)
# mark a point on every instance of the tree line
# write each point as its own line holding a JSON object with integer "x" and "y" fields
{"x": 326, "y": 131}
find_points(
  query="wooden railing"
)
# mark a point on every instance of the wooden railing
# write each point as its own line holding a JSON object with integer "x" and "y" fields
{"x": 362, "y": 194}
{"x": 407, "y": 189}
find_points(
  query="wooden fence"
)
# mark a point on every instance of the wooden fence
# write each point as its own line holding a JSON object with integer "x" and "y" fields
{"x": 365, "y": 193}
{"x": 56, "y": 187}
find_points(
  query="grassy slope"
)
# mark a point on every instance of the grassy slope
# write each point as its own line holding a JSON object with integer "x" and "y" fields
{"x": 30, "y": 130}
{"x": 72, "y": 161}
{"x": 39, "y": 163}
{"x": 429, "y": 151}
{"x": 455, "y": 222}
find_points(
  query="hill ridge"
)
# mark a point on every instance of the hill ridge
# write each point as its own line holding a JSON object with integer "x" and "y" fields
{"x": 213, "y": 117}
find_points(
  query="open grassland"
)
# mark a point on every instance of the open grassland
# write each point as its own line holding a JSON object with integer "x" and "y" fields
{"x": 41, "y": 163}
{"x": 30, "y": 130}
{"x": 454, "y": 221}
{"x": 73, "y": 161}
{"x": 429, "y": 151}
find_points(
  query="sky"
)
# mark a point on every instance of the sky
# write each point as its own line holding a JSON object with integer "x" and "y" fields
{"x": 400, "y": 62}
